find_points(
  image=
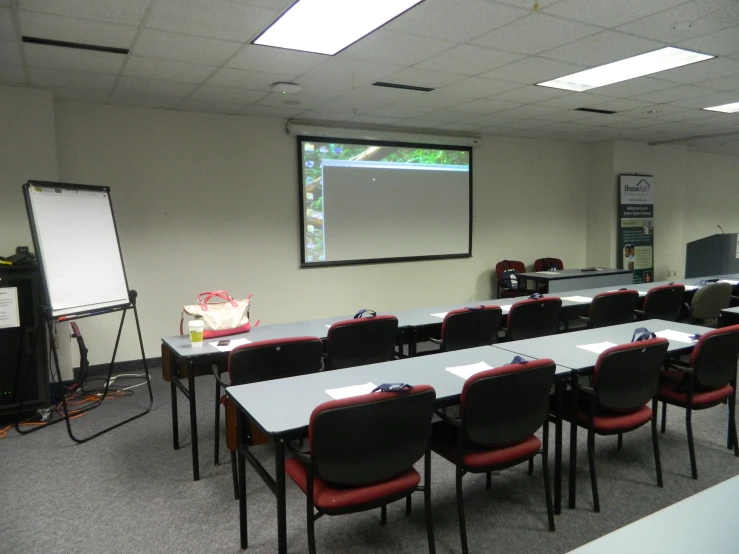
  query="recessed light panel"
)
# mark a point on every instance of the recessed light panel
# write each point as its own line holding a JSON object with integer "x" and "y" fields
{"x": 328, "y": 26}
{"x": 630, "y": 68}
{"x": 726, "y": 108}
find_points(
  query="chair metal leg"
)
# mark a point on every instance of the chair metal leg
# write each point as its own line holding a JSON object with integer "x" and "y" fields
{"x": 217, "y": 457}
{"x": 427, "y": 502}
{"x": 383, "y": 514}
{"x": 591, "y": 462}
{"x": 545, "y": 470}
{"x": 691, "y": 447}
{"x": 460, "y": 511}
{"x": 234, "y": 474}
{"x": 531, "y": 466}
{"x": 488, "y": 480}
{"x": 620, "y": 441}
{"x": 408, "y": 505}
{"x": 311, "y": 527}
{"x": 664, "y": 416}
{"x": 732, "y": 425}
{"x": 655, "y": 444}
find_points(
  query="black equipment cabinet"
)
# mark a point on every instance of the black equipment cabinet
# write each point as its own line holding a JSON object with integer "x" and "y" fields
{"x": 16, "y": 344}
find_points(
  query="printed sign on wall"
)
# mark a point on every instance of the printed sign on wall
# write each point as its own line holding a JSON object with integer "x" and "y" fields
{"x": 636, "y": 226}
{"x": 9, "y": 307}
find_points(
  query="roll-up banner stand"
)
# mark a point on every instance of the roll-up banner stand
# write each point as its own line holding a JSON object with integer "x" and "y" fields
{"x": 636, "y": 226}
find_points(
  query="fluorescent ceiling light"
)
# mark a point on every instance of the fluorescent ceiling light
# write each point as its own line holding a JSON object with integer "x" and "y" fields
{"x": 630, "y": 68}
{"x": 328, "y": 26}
{"x": 726, "y": 108}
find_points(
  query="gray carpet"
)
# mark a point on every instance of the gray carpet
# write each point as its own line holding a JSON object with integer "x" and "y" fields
{"x": 129, "y": 491}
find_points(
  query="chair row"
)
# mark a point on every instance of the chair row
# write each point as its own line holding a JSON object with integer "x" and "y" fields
{"x": 508, "y": 283}
{"x": 354, "y": 464}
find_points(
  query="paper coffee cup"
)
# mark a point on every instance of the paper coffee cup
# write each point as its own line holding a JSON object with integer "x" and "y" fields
{"x": 196, "y": 332}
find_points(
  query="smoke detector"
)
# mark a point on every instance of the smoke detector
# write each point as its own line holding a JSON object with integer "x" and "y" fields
{"x": 286, "y": 88}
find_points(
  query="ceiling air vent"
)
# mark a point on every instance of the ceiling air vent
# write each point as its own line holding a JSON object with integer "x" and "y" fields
{"x": 593, "y": 110}
{"x": 404, "y": 87}
{"x": 77, "y": 45}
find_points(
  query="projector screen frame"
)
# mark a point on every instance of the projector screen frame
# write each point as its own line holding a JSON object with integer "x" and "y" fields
{"x": 301, "y": 201}
{"x": 47, "y": 307}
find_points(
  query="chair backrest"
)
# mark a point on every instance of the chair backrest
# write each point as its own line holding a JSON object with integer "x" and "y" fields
{"x": 470, "y": 327}
{"x": 354, "y": 342}
{"x": 613, "y": 308}
{"x": 505, "y": 282}
{"x": 664, "y": 302}
{"x": 547, "y": 264}
{"x": 627, "y": 376}
{"x": 534, "y": 318}
{"x": 709, "y": 300}
{"x": 370, "y": 438}
{"x": 714, "y": 358}
{"x": 507, "y": 404}
{"x": 274, "y": 359}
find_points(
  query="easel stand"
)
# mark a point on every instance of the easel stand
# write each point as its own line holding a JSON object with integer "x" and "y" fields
{"x": 48, "y": 321}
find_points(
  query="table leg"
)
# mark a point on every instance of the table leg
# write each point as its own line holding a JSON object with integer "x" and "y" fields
{"x": 193, "y": 422}
{"x": 280, "y": 496}
{"x": 175, "y": 425}
{"x": 242, "y": 485}
{"x": 573, "y": 444}
{"x": 558, "y": 387}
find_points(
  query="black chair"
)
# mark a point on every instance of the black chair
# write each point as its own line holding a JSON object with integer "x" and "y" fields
{"x": 708, "y": 301}
{"x": 469, "y": 328}
{"x": 612, "y": 308}
{"x": 262, "y": 361}
{"x": 533, "y": 318}
{"x": 663, "y": 302}
{"x": 362, "y": 341}
{"x": 548, "y": 264}
{"x": 624, "y": 380}
{"x": 706, "y": 381}
{"x": 362, "y": 451}
{"x": 499, "y": 411}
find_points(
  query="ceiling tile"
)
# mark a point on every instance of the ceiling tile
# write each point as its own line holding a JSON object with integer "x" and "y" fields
{"x": 633, "y": 87}
{"x": 485, "y": 106}
{"x": 262, "y": 111}
{"x": 275, "y": 60}
{"x": 317, "y": 115}
{"x": 168, "y": 70}
{"x": 706, "y": 16}
{"x": 460, "y": 20}
{"x": 5, "y": 3}
{"x": 622, "y": 105}
{"x": 423, "y": 78}
{"x": 9, "y": 52}
{"x": 730, "y": 82}
{"x": 605, "y": 47}
{"x": 530, "y": 94}
{"x": 404, "y": 109}
{"x": 11, "y": 74}
{"x": 56, "y": 78}
{"x": 304, "y": 101}
{"x": 535, "y": 33}
{"x": 342, "y": 75}
{"x": 154, "y": 87}
{"x": 6, "y": 26}
{"x": 144, "y": 100}
{"x": 183, "y": 48}
{"x": 720, "y": 43}
{"x": 709, "y": 100}
{"x": 80, "y": 95}
{"x": 469, "y": 60}
{"x": 700, "y": 72}
{"x": 349, "y": 103}
{"x": 575, "y": 100}
{"x": 69, "y": 29}
{"x": 415, "y": 123}
{"x": 128, "y": 12}
{"x": 681, "y": 92}
{"x": 385, "y": 95}
{"x": 459, "y": 127}
{"x": 479, "y": 87}
{"x": 447, "y": 116}
{"x": 401, "y": 48}
{"x": 38, "y": 55}
{"x": 374, "y": 119}
{"x": 211, "y": 106}
{"x": 529, "y": 110}
{"x": 228, "y": 94}
{"x": 240, "y": 78}
{"x": 533, "y": 70}
{"x": 608, "y": 13}
{"x": 210, "y": 18}
{"x": 565, "y": 115}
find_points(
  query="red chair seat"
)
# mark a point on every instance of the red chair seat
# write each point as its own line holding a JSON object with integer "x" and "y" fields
{"x": 700, "y": 398}
{"x": 444, "y": 443}
{"x": 328, "y": 497}
{"x": 616, "y": 422}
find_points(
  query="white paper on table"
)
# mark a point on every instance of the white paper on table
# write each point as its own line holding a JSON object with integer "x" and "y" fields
{"x": 442, "y": 315}
{"x": 547, "y": 273}
{"x": 351, "y": 390}
{"x": 231, "y": 345}
{"x": 732, "y": 282}
{"x": 690, "y": 287}
{"x": 467, "y": 371}
{"x": 678, "y": 336}
{"x": 641, "y": 292}
{"x": 505, "y": 309}
{"x": 577, "y": 298}
{"x": 597, "y": 347}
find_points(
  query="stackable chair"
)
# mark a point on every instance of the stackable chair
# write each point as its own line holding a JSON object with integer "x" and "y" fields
{"x": 708, "y": 301}
{"x": 663, "y": 302}
{"x": 509, "y": 285}
{"x": 469, "y": 327}
{"x": 499, "y": 411}
{"x": 548, "y": 264}
{"x": 533, "y": 318}
{"x": 705, "y": 381}
{"x": 355, "y": 342}
{"x": 262, "y": 361}
{"x": 362, "y": 451}
{"x": 612, "y": 308}
{"x": 625, "y": 379}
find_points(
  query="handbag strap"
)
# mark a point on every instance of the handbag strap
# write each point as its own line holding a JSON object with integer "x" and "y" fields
{"x": 219, "y": 294}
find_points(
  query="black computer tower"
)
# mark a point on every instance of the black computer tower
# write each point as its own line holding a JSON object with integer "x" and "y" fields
{"x": 16, "y": 344}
